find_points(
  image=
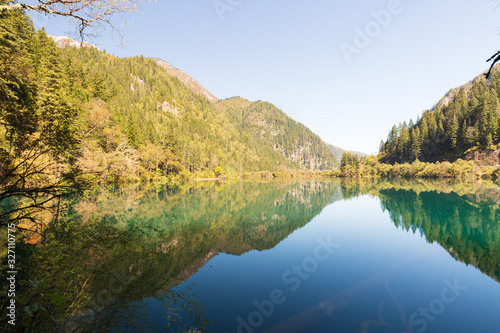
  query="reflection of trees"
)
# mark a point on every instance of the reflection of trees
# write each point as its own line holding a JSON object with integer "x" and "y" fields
{"x": 114, "y": 249}
{"x": 462, "y": 217}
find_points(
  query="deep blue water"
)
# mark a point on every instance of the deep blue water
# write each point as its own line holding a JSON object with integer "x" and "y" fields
{"x": 383, "y": 260}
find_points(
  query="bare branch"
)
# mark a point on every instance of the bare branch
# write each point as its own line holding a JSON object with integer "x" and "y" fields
{"x": 85, "y": 12}
{"x": 496, "y": 58}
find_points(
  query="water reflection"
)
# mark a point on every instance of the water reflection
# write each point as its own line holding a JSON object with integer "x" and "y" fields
{"x": 462, "y": 217}
{"x": 114, "y": 249}
{"x": 118, "y": 247}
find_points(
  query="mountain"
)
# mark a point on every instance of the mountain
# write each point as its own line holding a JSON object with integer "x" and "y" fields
{"x": 65, "y": 41}
{"x": 272, "y": 132}
{"x": 262, "y": 137}
{"x": 140, "y": 117}
{"x": 464, "y": 124}
{"x": 186, "y": 79}
{"x": 338, "y": 152}
{"x": 112, "y": 119}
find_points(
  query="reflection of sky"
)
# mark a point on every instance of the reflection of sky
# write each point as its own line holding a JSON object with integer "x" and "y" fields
{"x": 369, "y": 244}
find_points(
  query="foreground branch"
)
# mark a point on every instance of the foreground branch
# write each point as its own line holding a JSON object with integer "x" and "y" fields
{"x": 85, "y": 12}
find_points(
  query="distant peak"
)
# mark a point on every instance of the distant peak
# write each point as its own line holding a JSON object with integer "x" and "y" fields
{"x": 65, "y": 41}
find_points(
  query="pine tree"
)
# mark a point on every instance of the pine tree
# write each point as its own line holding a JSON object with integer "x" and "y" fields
{"x": 415, "y": 144}
{"x": 381, "y": 147}
{"x": 463, "y": 135}
{"x": 489, "y": 140}
{"x": 56, "y": 111}
{"x": 393, "y": 135}
{"x": 17, "y": 83}
{"x": 424, "y": 128}
{"x": 482, "y": 123}
{"x": 131, "y": 130}
{"x": 98, "y": 86}
{"x": 453, "y": 131}
{"x": 404, "y": 143}
{"x": 492, "y": 124}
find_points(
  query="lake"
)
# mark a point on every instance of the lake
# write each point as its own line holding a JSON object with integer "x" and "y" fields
{"x": 281, "y": 256}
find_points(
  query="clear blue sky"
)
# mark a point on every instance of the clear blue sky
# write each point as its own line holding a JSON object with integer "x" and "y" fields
{"x": 288, "y": 52}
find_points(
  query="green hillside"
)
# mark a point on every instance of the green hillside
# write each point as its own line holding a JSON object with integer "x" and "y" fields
{"x": 271, "y": 132}
{"x": 161, "y": 117}
{"x": 114, "y": 119}
{"x": 339, "y": 152}
{"x": 464, "y": 124}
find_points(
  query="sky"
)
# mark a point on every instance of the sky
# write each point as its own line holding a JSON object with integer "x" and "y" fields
{"x": 347, "y": 69}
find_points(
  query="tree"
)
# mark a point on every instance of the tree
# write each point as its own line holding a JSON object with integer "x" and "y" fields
{"x": 37, "y": 112}
{"x": 489, "y": 140}
{"x": 98, "y": 85}
{"x": 86, "y": 13}
{"x": 36, "y": 118}
{"x": 403, "y": 143}
{"x": 381, "y": 147}
{"x": 424, "y": 128}
{"x": 492, "y": 124}
{"x": 463, "y": 135}
{"x": 453, "y": 131}
{"x": 393, "y": 134}
{"x": 415, "y": 144}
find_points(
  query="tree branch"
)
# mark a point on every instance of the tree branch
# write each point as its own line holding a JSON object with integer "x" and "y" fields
{"x": 85, "y": 12}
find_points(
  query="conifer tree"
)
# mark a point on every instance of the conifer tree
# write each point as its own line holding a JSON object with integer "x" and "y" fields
{"x": 463, "y": 135}
{"x": 415, "y": 144}
{"x": 453, "y": 131}
{"x": 489, "y": 140}
{"x": 56, "y": 111}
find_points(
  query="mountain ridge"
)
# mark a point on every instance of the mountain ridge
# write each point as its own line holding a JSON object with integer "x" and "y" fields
{"x": 265, "y": 133}
{"x": 268, "y": 126}
{"x": 189, "y": 81}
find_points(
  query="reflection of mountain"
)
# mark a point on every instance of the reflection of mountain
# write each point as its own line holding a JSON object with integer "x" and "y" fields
{"x": 163, "y": 237}
{"x": 463, "y": 218}
{"x": 116, "y": 248}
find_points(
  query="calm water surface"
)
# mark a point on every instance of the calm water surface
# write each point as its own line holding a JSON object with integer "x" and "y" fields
{"x": 299, "y": 256}
{"x": 354, "y": 258}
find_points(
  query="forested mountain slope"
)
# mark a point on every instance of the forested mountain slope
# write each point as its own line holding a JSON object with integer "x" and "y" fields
{"x": 187, "y": 80}
{"x": 274, "y": 133}
{"x": 464, "y": 124}
{"x": 156, "y": 114}
{"x": 118, "y": 118}
{"x": 339, "y": 152}
{"x": 155, "y": 109}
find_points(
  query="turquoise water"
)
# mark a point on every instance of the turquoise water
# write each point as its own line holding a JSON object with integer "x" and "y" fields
{"x": 279, "y": 256}
{"x": 387, "y": 260}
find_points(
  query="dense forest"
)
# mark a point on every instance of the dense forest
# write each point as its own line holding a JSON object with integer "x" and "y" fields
{"x": 464, "y": 124}
{"x": 81, "y": 114}
{"x": 277, "y": 135}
